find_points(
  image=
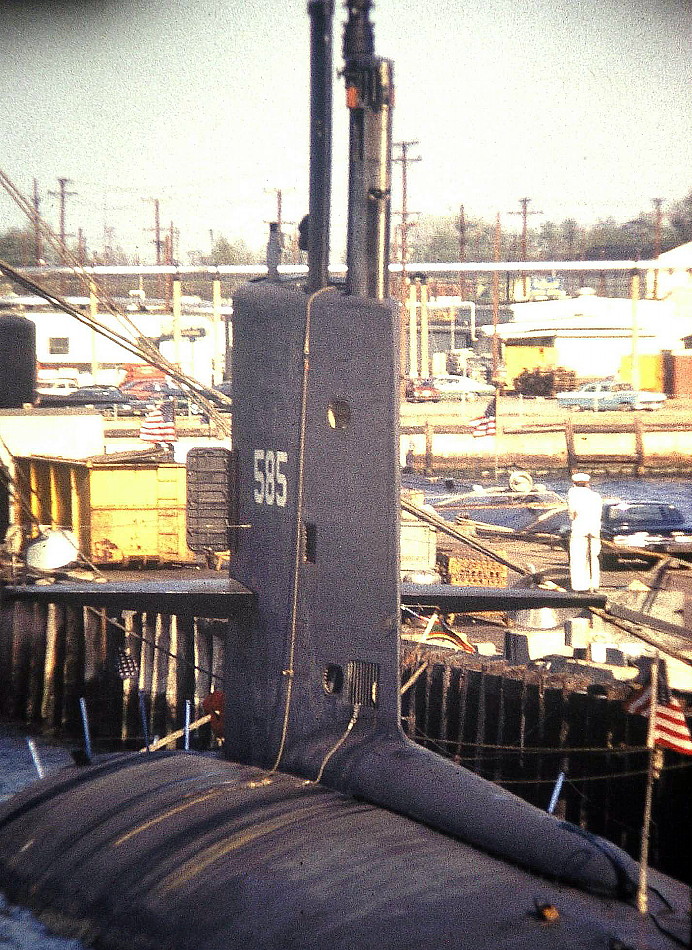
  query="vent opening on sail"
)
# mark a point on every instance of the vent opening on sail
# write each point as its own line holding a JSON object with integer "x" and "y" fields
{"x": 363, "y": 680}
{"x": 333, "y": 679}
{"x": 310, "y": 542}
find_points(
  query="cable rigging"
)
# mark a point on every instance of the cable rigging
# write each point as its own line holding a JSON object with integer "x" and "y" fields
{"x": 138, "y": 346}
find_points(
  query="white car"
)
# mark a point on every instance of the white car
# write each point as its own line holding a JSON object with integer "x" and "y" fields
{"x": 609, "y": 394}
{"x": 64, "y": 385}
{"x": 462, "y": 387}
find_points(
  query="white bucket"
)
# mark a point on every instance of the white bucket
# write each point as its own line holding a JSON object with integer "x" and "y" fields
{"x": 53, "y": 549}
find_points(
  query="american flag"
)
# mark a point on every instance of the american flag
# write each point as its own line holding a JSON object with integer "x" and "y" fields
{"x": 159, "y": 424}
{"x": 485, "y": 424}
{"x": 672, "y": 731}
{"x": 127, "y": 666}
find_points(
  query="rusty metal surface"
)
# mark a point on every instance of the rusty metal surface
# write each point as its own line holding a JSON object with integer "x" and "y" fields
{"x": 187, "y": 852}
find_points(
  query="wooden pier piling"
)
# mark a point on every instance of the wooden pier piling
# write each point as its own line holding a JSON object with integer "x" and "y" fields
{"x": 521, "y": 728}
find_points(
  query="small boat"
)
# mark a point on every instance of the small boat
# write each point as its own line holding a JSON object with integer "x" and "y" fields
{"x": 520, "y": 506}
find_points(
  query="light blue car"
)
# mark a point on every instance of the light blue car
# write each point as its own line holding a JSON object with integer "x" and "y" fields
{"x": 608, "y": 394}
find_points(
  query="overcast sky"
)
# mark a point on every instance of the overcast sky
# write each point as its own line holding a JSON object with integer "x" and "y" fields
{"x": 584, "y": 107}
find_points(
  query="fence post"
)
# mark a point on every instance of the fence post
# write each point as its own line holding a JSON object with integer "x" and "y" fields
{"x": 429, "y": 432}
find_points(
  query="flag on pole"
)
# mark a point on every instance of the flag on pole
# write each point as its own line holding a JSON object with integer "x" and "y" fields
{"x": 485, "y": 424}
{"x": 671, "y": 729}
{"x": 159, "y": 424}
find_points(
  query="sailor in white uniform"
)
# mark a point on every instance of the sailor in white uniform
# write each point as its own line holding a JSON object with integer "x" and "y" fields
{"x": 584, "y": 509}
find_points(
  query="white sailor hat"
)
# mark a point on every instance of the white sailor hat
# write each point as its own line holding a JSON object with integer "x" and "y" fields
{"x": 580, "y": 478}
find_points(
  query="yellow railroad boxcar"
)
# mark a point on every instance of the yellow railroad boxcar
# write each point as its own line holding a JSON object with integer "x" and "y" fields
{"x": 122, "y": 512}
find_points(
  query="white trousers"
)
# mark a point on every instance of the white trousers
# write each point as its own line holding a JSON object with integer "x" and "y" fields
{"x": 584, "y": 569}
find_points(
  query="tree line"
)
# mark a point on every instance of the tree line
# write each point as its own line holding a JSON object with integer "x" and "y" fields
{"x": 17, "y": 247}
{"x": 441, "y": 238}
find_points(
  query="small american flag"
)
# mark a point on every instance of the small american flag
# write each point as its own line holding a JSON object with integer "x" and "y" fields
{"x": 159, "y": 424}
{"x": 672, "y": 731}
{"x": 485, "y": 424}
{"x": 127, "y": 667}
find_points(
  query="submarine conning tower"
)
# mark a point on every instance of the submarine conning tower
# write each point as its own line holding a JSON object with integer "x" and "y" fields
{"x": 312, "y": 675}
{"x": 315, "y": 430}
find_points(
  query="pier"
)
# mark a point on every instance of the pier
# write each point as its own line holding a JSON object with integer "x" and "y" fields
{"x": 538, "y": 436}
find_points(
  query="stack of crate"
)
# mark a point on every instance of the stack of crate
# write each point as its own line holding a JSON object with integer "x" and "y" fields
{"x": 472, "y": 569}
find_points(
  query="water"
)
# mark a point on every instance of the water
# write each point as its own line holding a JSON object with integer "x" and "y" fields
{"x": 674, "y": 491}
{"x": 19, "y": 929}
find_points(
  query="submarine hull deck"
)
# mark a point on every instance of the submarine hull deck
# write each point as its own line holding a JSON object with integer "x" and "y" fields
{"x": 189, "y": 852}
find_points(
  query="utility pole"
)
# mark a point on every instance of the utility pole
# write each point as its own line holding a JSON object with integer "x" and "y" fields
{"x": 174, "y": 235}
{"x": 81, "y": 247}
{"x": 38, "y": 239}
{"x": 279, "y": 219}
{"x": 524, "y": 202}
{"x": 497, "y": 240}
{"x": 279, "y": 211}
{"x": 63, "y": 194}
{"x": 403, "y": 159}
{"x": 108, "y": 243}
{"x": 462, "y": 251}
{"x": 157, "y": 242}
{"x": 169, "y": 254}
{"x": 658, "y": 222}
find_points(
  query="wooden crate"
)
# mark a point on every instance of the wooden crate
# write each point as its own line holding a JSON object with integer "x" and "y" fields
{"x": 473, "y": 571}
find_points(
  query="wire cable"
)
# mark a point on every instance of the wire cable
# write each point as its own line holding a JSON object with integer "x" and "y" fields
{"x": 289, "y": 672}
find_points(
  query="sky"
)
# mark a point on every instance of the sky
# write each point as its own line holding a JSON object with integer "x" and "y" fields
{"x": 583, "y": 107}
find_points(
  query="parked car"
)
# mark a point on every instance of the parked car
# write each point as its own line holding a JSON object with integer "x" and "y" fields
{"x": 219, "y": 396}
{"x": 107, "y": 399}
{"x": 59, "y": 385}
{"x": 649, "y": 525}
{"x": 422, "y": 390}
{"x": 152, "y": 392}
{"x": 147, "y": 389}
{"x": 461, "y": 387}
{"x": 608, "y": 394}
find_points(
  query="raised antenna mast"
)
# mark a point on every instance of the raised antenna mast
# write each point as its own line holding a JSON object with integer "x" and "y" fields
{"x": 321, "y": 16}
{"x": 369, "y": 96}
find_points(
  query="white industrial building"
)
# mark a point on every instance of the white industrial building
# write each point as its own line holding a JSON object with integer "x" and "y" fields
{"x": 590, "y": 335}
{"x": 195, "y": 339}
{"x": 674, "y": 281}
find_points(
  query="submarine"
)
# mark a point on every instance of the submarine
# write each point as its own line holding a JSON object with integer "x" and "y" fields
{"x": 320, "y": 825}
